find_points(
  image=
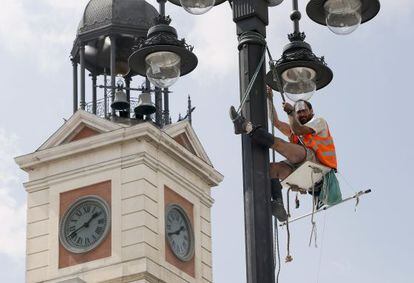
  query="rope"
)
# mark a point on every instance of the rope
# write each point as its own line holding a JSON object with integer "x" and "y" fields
{"x": 353, "y": 189}
{"x": 355, "y": 196}
{"x": 356, "y": 203}
{"x": 252, "y": 81}
{"x": 275, "y": 75}
{"x": 346, "y": 181}
{"x": 314, "y": 203}
{"x": 289, "y": 257}
{"x": 297, "y": 202}
{"x": 276, "y": 250}
{"x": 276, "y": 245}
{"x": 325, "y": 188}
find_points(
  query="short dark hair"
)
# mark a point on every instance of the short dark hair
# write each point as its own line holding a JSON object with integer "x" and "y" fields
{"x": 307, "y": 103}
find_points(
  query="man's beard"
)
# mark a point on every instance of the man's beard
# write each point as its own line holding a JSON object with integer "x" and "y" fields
{"x": 304, "y": 120}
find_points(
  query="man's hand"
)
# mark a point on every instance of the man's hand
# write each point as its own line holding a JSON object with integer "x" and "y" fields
{"x": 288, "y": 108}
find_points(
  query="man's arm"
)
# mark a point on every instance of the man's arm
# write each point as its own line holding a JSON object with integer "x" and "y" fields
{"x": 295, "y": 125}
{"x": 283, "y": 127}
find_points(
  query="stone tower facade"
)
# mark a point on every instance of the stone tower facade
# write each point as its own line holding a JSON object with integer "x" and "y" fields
{"x": 133, "y": 177}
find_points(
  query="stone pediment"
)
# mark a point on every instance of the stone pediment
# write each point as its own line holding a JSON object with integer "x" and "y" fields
{"x": 84, "y": 125}
{"x": 84, "y": 133}
{"x": 81, "y": 125}
{"x": 183, "y": 133}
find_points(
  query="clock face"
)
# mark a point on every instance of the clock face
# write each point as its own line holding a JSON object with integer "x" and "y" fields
{"x": 85, "y": 224}
{"x": 179, "y": 232}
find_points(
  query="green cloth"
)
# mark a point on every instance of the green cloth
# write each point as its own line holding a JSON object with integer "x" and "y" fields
{"x": 331, "y": 192}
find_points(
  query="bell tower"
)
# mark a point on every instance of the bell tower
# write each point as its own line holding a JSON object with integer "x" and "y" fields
{"x": 106, "y": 36}
{"x": 114, "y": 196}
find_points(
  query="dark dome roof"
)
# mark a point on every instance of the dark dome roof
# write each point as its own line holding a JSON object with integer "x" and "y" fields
{"x": 131, "y": 14}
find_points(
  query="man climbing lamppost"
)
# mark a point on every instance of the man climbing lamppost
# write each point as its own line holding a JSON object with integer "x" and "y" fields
{"x": 309, "y": 140}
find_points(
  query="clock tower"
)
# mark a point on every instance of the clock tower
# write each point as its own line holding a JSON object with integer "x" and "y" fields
{"x": 111, "y": 202}
{"x": 118, "y": 194}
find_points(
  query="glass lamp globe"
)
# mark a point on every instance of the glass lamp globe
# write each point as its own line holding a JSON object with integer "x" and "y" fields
{"x": 343, "y": 16}
{"x": 301, "y": 90}
{"x": 163, "y": 68}
{"x": 197, "y": 7}
{"x": 273, "y": 3}
{"x": 298, "y": 83}
{"x": 297, "y": 74}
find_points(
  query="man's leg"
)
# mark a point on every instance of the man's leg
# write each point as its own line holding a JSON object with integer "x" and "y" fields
{"x": 262, "y": 137}
{"x": 278, "y": 209}
{"x": 277, "y": 171}
{"x": 280, "y": 170}
{"x": 293, "y": 152}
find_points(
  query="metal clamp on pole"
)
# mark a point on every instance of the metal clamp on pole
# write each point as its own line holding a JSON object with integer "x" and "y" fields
{"x": 251, "y": 37}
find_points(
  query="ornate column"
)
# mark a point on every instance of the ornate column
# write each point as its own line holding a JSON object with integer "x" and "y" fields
{"x": 94, "y": 94}
{"x": 75, "y": 85}
{"x": 82, "y": 76}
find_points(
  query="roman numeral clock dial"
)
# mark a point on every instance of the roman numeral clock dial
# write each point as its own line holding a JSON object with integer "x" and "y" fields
{"x": 179, "y": 232}
{"x": 85, "y": 224}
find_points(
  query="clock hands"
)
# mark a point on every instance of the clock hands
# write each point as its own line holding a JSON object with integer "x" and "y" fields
{"x": 177, "y": 232}
{"x": 84, "y": 225}
{"x": 96, "y": 214}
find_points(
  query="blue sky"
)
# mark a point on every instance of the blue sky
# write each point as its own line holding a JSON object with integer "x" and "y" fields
{"x": 368, "y": 106}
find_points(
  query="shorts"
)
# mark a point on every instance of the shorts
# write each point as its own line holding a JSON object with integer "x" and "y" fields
{"x": 310, "y": 156}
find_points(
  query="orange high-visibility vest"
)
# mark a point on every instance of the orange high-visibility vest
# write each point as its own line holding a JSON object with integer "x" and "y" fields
{"x": 323, "y": 147}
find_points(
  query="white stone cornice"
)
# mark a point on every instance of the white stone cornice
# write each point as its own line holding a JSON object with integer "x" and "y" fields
{"x": 145, "y": 131}
{"x": 180, "y": 179}
{"x": 136, "y": 159}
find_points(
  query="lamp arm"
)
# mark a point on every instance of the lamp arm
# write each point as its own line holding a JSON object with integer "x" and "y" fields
{"x": 295, "y": 16}
{"x": 162, "y": 7}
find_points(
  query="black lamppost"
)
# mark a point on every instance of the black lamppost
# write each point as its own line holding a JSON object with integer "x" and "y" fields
{"x": 298, "y": 68}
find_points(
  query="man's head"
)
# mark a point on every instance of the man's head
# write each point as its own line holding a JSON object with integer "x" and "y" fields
{"x": 304, "y": 111}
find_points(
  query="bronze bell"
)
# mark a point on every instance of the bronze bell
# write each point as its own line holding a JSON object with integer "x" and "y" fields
{"x": 145, "y": 105}
{"x": 120, "y": 101}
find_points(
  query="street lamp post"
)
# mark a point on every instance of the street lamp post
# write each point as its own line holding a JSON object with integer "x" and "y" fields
{"x": 298, "y": 67}
{"x": 251, "y": 18}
